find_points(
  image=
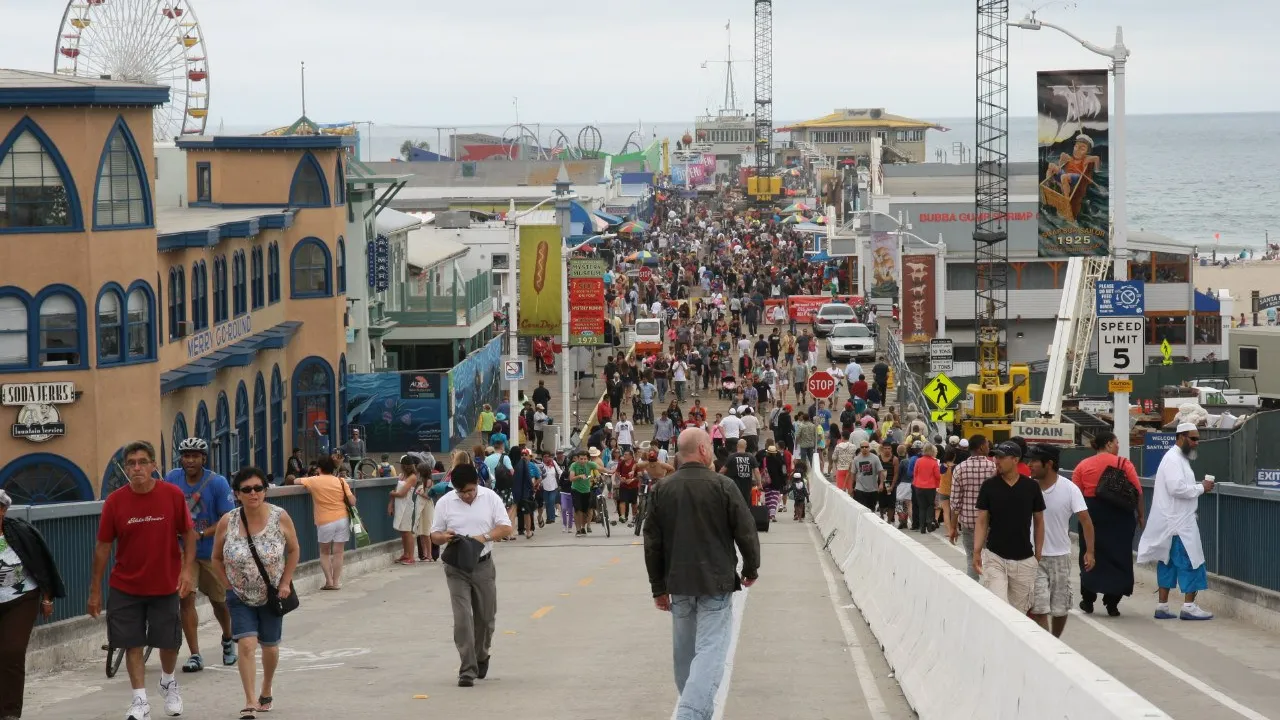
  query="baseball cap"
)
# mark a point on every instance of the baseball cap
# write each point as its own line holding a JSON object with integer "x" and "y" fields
{"x": 1043, "y": 451}
{"x": 608, "y": 426}
{"x": 1007, "y": 448}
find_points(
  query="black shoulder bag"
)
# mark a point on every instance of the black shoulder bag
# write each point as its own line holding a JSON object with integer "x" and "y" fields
{"x": 275, "y": 605}
{"x": 1115, "y": 488}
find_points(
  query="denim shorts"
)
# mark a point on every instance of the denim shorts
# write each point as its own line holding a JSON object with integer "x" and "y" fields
{"x": 259, "y": 622}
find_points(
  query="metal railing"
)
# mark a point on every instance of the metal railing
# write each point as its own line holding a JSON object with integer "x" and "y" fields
{"x": 70, "y": 530}
{"x": 907, "y": 384}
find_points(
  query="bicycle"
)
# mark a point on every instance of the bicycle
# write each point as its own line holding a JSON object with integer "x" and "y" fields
{"x": 115, "y": 656}
{"x": 642, "y": 504}
{"x": 602, "y": 510}
{"x": 366, "y": 468}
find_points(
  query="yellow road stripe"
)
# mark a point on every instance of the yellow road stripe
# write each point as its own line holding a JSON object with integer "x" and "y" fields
{"x": 615, "y": 561}
{"x": 585, "y": 581}
{"x": 542, "y": 611}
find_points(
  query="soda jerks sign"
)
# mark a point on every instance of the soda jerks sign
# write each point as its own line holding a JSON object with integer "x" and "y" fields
{"x": 38, "y": 419}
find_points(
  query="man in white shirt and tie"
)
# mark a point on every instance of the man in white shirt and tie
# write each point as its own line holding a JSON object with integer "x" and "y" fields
{"x": 475, "y": 512}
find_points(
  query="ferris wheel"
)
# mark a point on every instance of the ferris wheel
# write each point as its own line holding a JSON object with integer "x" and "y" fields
{"x": 158, "y": 42}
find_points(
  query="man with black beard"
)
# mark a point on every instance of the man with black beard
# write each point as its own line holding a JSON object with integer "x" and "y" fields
{"x": 1172, "y": 535}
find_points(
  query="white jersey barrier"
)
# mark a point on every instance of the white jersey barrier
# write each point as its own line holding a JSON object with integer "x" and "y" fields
{"x": 957, "y": 650}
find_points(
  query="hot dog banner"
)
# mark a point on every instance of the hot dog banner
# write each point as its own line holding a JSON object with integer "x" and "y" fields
{"x": 541, "y": 281}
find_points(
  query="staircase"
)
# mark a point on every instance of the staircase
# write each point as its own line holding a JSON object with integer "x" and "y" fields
{"x": 811, "y": 153}
{"x": 1087, "y": 422}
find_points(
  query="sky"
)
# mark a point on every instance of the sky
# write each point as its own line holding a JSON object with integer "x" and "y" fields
{"x": 430, "y": 63}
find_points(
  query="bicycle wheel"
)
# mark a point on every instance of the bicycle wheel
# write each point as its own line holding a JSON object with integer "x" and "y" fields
{"x": 146, "y": 655}
{"x": 114, "y": 657}
{"x": 641, "y": 508}
{"x": 367, "y": 469}
{"x": 604, "y": 515}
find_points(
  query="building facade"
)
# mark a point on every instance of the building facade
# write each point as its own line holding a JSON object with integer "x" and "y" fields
{"x": 846, "y": 134}
{"x": 140, "y": 299}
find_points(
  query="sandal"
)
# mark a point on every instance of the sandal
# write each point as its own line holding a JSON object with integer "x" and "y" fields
{"x": 264, "y": 703}
{"x": 249, "y": 713}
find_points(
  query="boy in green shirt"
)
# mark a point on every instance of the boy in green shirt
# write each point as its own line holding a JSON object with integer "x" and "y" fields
{"x": 580, "y": 473}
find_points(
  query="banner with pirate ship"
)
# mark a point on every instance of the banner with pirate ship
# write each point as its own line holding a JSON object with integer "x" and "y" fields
{"x": 1075, "y": 165}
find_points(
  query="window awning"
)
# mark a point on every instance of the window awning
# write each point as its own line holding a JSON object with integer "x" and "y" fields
{"x": 1206, "y": 303}
{"x": 202, "y": 372}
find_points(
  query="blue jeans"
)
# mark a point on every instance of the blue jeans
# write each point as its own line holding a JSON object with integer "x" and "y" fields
{"x": 701, "y": 630}
{"x": 662, "y": 389}
{"x": 551, "y": 500}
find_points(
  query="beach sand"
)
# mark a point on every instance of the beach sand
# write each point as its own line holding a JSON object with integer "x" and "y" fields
{"x": 1242, "y": 279}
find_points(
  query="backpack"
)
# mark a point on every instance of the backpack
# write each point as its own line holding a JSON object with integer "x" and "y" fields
{"x": 504, "y": 477}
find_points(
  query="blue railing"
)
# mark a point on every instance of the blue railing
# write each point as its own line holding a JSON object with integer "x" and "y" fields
{"x": 70, "y": 530}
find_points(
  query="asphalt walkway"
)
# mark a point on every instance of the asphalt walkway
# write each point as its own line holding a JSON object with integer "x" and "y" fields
{"x": 578, "y": 639}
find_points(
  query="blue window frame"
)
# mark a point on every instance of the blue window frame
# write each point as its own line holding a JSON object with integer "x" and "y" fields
{"x": 179, "y": 434}
{"x": 159, "y": 308}
{"x": 277, "y": 423}
{"x": 310, "y": 274}
{"x": 126, "y": 324}
{"x": 309, "y": 187}
{"x": 199, "y": 296}
{"x": 15, "y": 325}
{"x": 257, "y": 292}
{"x": 204, "y": 182}
{"x": 313, "y": 407}
{"x": 122, "y": 198}
{"x": 220, "y": 448}
{"x": 243, "y": 458}
{"x": 175, "y": 286}
{"x": 260, "y": 425}
{"x": 340, "y": 181}
{"x": 273, "y": 273}
{"x": 37, "y": 193}
{"x": 342, "y": 265}
{"x": 203, "y": 430}
{"x": 220, "y": 289}
{"x": 44, "y": 479}
{"x": 239, "y": 283}
{"x": 62, "y": 336}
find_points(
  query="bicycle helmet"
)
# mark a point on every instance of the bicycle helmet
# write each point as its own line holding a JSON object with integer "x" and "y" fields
{"x": 193, "y": 444}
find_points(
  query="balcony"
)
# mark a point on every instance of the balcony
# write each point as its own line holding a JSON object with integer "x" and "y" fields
{"x": 462, "y": 304}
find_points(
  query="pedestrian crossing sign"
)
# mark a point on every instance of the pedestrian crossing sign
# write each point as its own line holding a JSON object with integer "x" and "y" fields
{"x": 941, "y": 392}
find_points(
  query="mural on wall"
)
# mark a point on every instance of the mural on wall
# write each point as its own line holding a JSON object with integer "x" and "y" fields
{"x": 474, "y": 382}
{"x": 918, "y": 298}
{"x": 398, "y": 412}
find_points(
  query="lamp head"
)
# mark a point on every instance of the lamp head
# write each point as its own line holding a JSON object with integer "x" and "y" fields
{"x": 1027, "y": 23}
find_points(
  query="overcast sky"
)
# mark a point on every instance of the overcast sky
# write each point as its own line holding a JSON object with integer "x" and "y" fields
{"x": 434, "y": 63}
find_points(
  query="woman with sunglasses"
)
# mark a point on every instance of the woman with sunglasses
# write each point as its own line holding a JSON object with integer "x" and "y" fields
{"x": 276, "y": 542}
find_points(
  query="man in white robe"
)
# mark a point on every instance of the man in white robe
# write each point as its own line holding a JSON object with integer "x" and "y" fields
{"x": 1172, "y": 535}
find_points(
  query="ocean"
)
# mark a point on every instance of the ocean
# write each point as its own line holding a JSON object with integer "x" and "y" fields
{"x": 1191, "y": 177}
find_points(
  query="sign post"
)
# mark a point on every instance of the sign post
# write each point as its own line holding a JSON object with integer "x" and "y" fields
{"x": 1122, "y": 299}
{"x": 821, "y": 385}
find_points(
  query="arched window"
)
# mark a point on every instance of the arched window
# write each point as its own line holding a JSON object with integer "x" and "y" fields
{"x": 179, "y": 434}
{"x": 239, "y": 282}
{"x": 309, "y": 270}
{"x": 277, "y": 423}
{"x": 43, "y": 479}
{"x": 260, "y": 424}
{"x": 199, "y": 296}
{"x": 62, "y": 329}
{"x": 342, "y": 265}
{"x": 256, "y": 289}
{"x": 15, "y": 341}
{"x": 273, "y": 273}
{"x": 122, "y": 198}
{"x": 220, "y": 289}
{"x": 203, "y": 429}
{"x": 140, "y": 330}
{"x": 36, "y": 190}
{"x": 340, "y": 181}
{"x": 313, "y": 407}
{"x": 309, "y": 187}
{"x": 110, "y": 325}
{"x": 220, "y": 448}
{"x": 243, "y": 457}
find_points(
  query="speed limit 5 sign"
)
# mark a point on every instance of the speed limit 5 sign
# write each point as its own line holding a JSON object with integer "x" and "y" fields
{"x": 1122, "y": 345}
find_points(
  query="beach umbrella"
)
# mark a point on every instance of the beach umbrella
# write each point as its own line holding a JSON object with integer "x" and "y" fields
{"x": 633, "y": 226}
{"x": 643, "y": 256}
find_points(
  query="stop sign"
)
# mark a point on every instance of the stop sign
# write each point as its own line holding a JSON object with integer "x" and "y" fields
{"x": 822, "y": 385}
{"x": 645, "y": 274}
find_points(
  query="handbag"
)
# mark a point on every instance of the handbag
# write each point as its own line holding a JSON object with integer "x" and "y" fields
{"x": 358, "y": 531}
{"x": 275, "y": 604}
{"x": 1114, "y": 487}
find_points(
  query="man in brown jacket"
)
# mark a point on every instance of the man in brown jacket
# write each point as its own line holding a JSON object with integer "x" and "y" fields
{"x": 696, "y": 517}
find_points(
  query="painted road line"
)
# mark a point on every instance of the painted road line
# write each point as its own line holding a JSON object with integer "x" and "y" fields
{"x": 861, "y": 664}
{"x": 615, "y": 561}
{"x": 586, "y": 581}
{"x": 1207, "y": 690}
{"x": 542, "y": 612}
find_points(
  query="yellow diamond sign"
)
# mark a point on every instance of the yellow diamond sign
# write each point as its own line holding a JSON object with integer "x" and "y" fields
{"x": 941, "y": 392}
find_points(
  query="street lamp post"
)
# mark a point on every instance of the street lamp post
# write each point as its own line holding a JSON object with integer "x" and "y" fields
{"x": 1119, "y": 55}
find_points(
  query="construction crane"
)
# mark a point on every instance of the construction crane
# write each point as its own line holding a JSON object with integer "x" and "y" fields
{"x": 765, "y": 186}
{"x": 994, "y": 398}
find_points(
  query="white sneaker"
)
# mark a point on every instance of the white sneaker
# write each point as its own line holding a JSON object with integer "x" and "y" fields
{"x": 172, "y": 697}
{"x": 1192, "y": 611}
{"x": 139, "y": 709}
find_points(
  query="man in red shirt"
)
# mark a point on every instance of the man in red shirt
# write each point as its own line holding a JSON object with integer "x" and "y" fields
{"x": 155, "y": 541}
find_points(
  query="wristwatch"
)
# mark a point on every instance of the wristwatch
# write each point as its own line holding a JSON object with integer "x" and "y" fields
{"x": 487, "y": 538}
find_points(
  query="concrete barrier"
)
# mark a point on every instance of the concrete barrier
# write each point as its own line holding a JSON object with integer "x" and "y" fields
{"x": 957, "y": 650}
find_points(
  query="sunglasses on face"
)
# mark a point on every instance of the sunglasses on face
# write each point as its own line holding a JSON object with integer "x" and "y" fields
{"x": 252, "y": 489}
